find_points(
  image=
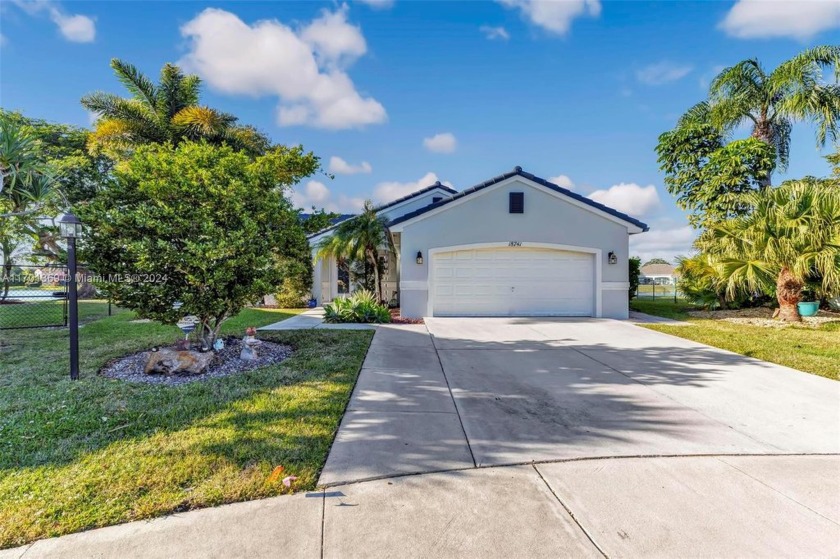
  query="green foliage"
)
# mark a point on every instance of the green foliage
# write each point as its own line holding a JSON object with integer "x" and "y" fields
{"x": 318, "y": 220}
{"x": 361, "y": 307}
{"x": 699, "y": 281}
{"x": 78, "y": 173}
{"x": 791, "y": 234}
{"x": 656, "y": 261}
{"x": 708, "y": 177}
{"x": 635, "y": 268}
{"x": 293, "y": 293}
{"x": 207, "y": 226}
{"x": 165, "y": 112}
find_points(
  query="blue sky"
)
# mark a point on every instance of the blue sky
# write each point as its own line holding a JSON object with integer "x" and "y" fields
{"x": 407, "y": 92}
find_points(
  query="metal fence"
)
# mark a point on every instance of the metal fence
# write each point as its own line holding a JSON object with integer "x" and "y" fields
{"x": 33, "y": 296}
{"x": 655, "y": 291}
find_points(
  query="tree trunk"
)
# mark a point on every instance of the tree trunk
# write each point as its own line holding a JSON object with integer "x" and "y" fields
{"x": 763, "y": 130}
{"x": 788, "y": 289}
{"x": 377, "y": 275}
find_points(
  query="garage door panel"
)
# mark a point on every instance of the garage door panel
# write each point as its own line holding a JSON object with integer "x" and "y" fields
{"x": 513, "y": 281}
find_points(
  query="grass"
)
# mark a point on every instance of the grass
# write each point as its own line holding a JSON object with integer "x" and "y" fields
{"x": 99, "y": 451}
{"x": 48, "y": 313}
{"x": 812, "y": 350}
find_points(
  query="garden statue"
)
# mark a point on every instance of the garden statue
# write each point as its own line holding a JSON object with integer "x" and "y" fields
{"x": 249, "y": 349}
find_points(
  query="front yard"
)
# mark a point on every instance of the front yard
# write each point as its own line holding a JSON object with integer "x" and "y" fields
{"x": 813, "y": 350}
{"x": 79, "y": 455}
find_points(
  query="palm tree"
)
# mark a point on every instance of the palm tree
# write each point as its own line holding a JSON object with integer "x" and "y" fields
{"x": 164, "y": 112}
{"x": 791, "y": 235}
{"x": 360, "y": 239}
{"x": 771, "y": 102}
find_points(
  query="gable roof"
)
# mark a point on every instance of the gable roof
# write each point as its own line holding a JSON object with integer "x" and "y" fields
{"x": 517, "y": 171}
{"x": 345, "y": 217}
{"x": 658, "y": 270}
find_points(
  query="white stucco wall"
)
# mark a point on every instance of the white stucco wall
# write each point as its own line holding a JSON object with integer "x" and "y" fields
{"x": 484, "y": 218}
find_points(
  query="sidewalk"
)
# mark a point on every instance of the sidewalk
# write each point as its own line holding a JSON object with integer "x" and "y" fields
{"x": 313, "y": 318}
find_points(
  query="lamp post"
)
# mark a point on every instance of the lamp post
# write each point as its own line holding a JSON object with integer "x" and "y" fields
{"x": 71, "y": 229}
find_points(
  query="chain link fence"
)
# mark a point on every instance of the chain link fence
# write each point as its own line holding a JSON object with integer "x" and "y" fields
{"x": 33, "y": 296}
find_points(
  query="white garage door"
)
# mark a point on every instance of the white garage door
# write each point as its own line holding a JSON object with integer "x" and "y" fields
{"x": 516, "y": 281}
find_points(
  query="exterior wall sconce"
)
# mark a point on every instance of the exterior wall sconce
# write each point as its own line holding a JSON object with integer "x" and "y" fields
{"x": 419, "y": 257}
{"x": 612, "y": 258}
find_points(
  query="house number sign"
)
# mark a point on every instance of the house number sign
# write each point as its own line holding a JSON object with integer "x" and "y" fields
{"x": 515, "y": 244}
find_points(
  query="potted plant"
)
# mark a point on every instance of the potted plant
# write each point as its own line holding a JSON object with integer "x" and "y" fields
{"x": 809, "y": 305}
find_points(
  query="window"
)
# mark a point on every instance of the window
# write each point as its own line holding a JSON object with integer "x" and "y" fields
{"x": 517, "y": 203}
{"x": 436, "y": 199}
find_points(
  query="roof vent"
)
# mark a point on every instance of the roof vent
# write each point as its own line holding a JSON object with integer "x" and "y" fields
{"x": 437, "y": 183}
{"x": 518, "y": 169}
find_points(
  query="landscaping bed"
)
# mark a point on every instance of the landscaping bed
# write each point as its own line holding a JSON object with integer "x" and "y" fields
{"x": 225, "y": 362}
{"x": 763, "y": 316}
{"x": 76, "y": 455}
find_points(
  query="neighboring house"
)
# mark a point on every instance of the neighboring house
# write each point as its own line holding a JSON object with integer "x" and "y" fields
{"x": 515, "y": 245}
{"x": 659, "y": 274}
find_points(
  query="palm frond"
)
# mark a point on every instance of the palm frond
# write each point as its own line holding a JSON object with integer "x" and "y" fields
{"x": 140, "y": 87}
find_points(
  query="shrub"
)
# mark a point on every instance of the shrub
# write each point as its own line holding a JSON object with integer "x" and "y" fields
{"x": 361, "y": 307}
{"x": 293, "y": 294}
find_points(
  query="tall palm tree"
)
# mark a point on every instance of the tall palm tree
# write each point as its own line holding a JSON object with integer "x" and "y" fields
{"x": 163, "y": 112}
{"x": 360, "y": 239}
{"x": 771, "y": 102}
{"x": 791, "y": 235}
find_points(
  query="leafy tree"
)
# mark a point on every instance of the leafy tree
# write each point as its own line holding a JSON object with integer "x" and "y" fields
{"x": 165, "y": 112}
{"x": 635, "y": 268}
{"x": 770, "y": 102}
{"x": 210, "y": 226}
{"x": 30, "y": 195}
{"x": 709, "y": 177}
{"x": 360, "y": 239}
{"x": 656, "y": 261}
{"x": 791, "y": 234}
{"x": 318, "y": 220}
{"x": 78, "y": 173}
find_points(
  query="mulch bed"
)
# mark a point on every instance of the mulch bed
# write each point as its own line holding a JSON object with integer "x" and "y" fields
{"x": 763, "y": 316}
{"x": 225, "y": 363}
{"x": 397, "y": 319}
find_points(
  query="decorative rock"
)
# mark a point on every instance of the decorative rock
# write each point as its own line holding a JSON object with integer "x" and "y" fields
{"x": 173, "y": 362}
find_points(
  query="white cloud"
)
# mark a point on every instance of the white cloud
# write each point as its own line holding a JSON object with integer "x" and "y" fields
{"x": 378, "y": 4}
{"x": 629, "y": 198}
{"x": 317, "y": 194}
{"x": 666, "y": 242}
{"x": 389, "y": 191}
{"x": 562, "y": 180}
{"x": 494, "y": 32}
{"x": 662, "y": 72}
{"x": 341, "y": 167}
{"x": 441, "y": 143}
{"x": 76, "y": 28}
{"x": 752, "y": 19}
{"x": 304, "y": 68}
{"x": 555, "y": 16}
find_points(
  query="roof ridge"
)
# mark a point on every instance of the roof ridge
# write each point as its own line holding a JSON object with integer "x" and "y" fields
{"x": 518, "y": 171}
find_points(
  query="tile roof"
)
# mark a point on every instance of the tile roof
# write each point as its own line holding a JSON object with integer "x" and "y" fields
{"x": 345, "y": 217}
{"x": 517, "y": 171}
{"x": 658, "y": 270}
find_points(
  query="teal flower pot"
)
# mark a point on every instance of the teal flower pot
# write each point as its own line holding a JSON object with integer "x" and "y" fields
{"x": 808, "y": 308}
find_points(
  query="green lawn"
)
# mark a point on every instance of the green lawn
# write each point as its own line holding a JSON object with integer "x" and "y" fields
{"x": 48, "y": 313}
{"x": 813, "y": 350}
{"x": 98, "y": 451}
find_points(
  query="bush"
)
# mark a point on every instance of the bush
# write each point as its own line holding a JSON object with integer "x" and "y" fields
{"x": 635, "y": 268}
{"x": 361, "y": 307}
{"x": 293, "y": 294}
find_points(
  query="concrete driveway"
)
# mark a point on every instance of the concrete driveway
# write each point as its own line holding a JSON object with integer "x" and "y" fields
{"x": 495, "y": 391}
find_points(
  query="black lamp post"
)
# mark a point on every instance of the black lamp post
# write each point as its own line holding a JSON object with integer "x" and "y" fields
{"x": 71, "y": 229}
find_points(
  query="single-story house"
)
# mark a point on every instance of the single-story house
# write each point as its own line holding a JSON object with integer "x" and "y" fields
{"x": 514, "y": 245}
{"x": 659, "y": 274}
